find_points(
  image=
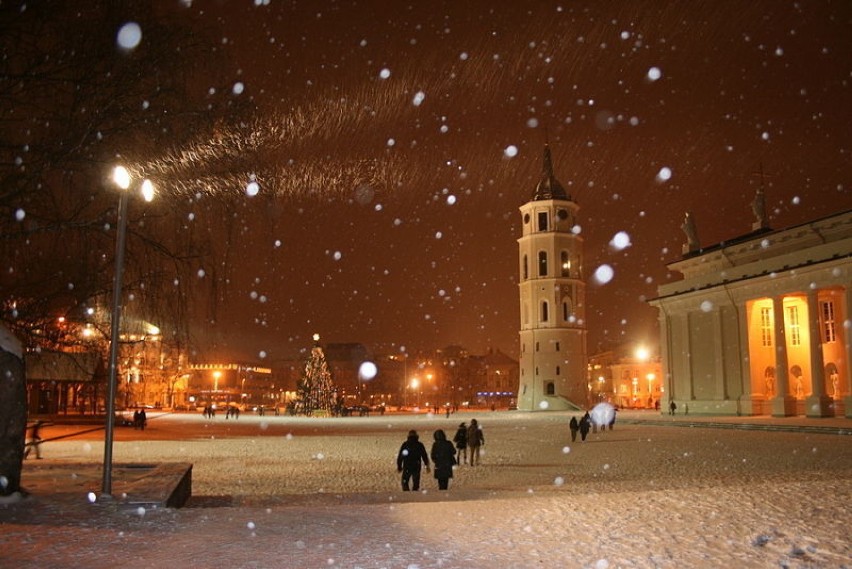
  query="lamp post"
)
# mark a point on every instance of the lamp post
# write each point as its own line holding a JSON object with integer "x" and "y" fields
{"x": 122, "y": 179}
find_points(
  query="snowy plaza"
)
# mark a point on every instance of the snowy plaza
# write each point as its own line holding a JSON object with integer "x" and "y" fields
{"x": 656, "y": 491}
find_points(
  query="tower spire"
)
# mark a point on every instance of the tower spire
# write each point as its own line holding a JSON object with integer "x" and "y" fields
{"x": 549, "y": 187}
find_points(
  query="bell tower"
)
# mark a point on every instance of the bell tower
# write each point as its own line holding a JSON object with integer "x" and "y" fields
{"x": 553, "y": 300}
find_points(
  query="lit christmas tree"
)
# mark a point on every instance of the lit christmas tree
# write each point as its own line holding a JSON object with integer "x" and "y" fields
{"x": 316, "y": 391}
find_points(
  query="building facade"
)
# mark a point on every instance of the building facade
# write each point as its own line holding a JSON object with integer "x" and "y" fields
{"x": 759, "y": 324}
{"x": 552, "y": 300}
{"x": 629, "y": 376}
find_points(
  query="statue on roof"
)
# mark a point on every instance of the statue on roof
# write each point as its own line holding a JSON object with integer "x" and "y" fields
{"x": 758, "y": 207}
{"x": 688, "y": 227}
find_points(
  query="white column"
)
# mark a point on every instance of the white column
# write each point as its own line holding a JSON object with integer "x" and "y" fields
{"x": 686, "y": 346}
{"x": 746, "y": 398}
{"x": 818, "y": 404}
{"x": 783, "y": 404}
{"x": 665, "y": 354}
{"x": 719, "y": 355}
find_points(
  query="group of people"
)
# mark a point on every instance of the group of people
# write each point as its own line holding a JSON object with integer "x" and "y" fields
{"x": 140, "y": 419}
{"x": 586, "y": 424}
{"x": 412, "y": 455}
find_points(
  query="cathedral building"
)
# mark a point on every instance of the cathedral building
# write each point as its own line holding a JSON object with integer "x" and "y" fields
{"x": 552, "y": 300}
{"x": 759, "y": 325}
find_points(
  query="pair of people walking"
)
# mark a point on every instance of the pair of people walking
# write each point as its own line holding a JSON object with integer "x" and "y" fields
{"x": 583, "y": 426}
{"x": 469, "y": 436}
{"x": 412, "y": 457}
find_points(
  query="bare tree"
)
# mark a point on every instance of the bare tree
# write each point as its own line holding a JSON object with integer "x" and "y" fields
{"x": 73, "y": 103}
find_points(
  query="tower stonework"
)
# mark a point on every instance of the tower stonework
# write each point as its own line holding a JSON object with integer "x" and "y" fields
{"x": 553, "y": 300}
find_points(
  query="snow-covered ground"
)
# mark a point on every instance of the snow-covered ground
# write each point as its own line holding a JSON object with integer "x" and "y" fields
{"x": 296, "y": 492}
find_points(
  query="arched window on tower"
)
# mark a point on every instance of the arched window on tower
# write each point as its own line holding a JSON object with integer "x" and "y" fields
{"x": 566, "y": 310}
{"x": 544, "y": 314}
{"x": 566, "y": 264}
{"x": 526, "y": 267}
{"x": 542, "y": 221}
{"x": 542, "y": 263}
{"x": 550, "y": 388}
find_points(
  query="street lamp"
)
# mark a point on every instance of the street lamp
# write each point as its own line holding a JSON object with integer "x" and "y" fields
{"x": 415, "y": 384}
{"x": 122, "y": 179}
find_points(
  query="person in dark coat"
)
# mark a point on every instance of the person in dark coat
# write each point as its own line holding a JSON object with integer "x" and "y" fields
{"x": 408, "y": 461}
{"x": 143, "y": 419}
{"x": 461, "y": 442}
{"x": 672, "y": 407}
{"x": 574, "y": 425}
{"x": 475, "y": 440}
{"x": 585, "y": 426}
{"x": 444, "y": 458}
{"x": 612, "y": 420}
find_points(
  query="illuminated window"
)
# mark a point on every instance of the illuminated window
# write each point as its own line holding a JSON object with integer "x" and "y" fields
{"x": 829, "y": 331}
{"x": 766, "y": 326}
{"x": 542, "y": 263}
{"x": 566, "y": 264}
{"x": 542, "y": 221}
{"x": 793, "y": 323}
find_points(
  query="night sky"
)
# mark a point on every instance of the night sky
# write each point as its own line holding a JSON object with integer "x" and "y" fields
{"x": 394, "y": 142}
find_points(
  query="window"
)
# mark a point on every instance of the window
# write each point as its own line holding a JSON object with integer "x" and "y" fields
{"x": 566, "y": 264}
{"x": 557, "y": 370}
{"x": 550, "y": 388}
{"x": 526, "y": 268}
{"x": 566, "y": 311}
{"x": 542, "y": 221}
{"x": 793, "y": 323}
{"x": 829, "y": 330}
{"x": 537, "y": 346}
{"x": 542, "y": 263}
{"x": 544, "y": 314}
{"x": 557, "y": 346}
{"x": 766, "y": 326}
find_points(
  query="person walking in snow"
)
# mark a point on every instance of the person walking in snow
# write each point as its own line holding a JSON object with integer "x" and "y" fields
{"x": 461, "y": 442}
{"x": 411, "y": 455}
{"x": 672, "y": 407}
{"x": 585, "y": 426}
{"x": 475, "y": 440}
{"x": 444, "y": 458}
{"x": 35, "y": 440}
{"x": 574, "y": 425}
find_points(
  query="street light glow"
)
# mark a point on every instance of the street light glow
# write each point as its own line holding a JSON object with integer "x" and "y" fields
{"x": 148, "y": 190}
{"x": 121, "y": 177}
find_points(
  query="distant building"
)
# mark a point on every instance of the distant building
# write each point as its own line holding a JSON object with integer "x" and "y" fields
{"x": 230, "y": 383}
{"x": 756, "y": 324}
{"x": 629, "y": 376}
{"x": 552, "y": 300}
